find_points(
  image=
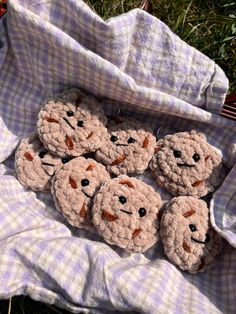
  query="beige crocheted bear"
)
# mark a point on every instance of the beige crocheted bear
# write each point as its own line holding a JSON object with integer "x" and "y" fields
{"x": 185, "y": 164}
{"x": 128, "y": 148}
{"x": 125, "y": 213}
{"x": 34, "y": 165}
{"x": 73, "y": 188}
{"x": 72, "y": 124}
{"x": 186, "y": 233}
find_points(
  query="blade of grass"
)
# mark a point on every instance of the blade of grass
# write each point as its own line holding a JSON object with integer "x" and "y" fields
{"x": 9, "y": 306}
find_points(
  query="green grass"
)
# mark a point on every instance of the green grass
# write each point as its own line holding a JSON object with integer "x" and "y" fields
{"x": 25, "y": 305}
{"x": 209, "y": 26}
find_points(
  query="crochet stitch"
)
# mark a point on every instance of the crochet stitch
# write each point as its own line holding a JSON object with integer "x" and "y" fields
{"x": 186, "y": 233}
{"x": 34, "y": 165}
{"x": 125, "y": 213}
{"x": 185, "y": 164}
{"x": 128, "y": 147}
{"x": 72, "y": 124}
{"x": 73, "y": 188}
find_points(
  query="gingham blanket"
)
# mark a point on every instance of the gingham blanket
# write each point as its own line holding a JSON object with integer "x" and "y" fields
{"x": 136, "y": 62}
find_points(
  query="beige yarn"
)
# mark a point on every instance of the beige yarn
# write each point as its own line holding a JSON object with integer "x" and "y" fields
{"x": 122, "y": 157}
{"x": 32, "y": 171}
{"x": 72, "y": 198}
{"x": 125, "y": 213}
{"x": 72, "y": 124}
{"x": 181, "y": 245}
{"x": 183, "y": 175}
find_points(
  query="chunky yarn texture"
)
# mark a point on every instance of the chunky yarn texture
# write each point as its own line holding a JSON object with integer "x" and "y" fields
{"x": 34, "y": 165}
{"x": 125, "y": 213}
{"x": 73, "y": 189}
{"x": 129, "y": 146}
{"x": 188, "y": 238}
{"x": 72, "y": 124}
{"x": 185, "y": 164}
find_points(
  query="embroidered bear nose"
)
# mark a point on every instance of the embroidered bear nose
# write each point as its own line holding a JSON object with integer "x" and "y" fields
{"x": 84, "y": 182}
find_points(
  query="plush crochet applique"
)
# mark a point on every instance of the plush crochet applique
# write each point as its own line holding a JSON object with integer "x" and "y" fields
{"x": 128, "y": 148}
{"x": 125, "y": 213}
{"x": 185, "y": 164}
{"x": 188, "y": 238}
{"x": 72, "y": 124}
{"x": 35, "y": 165}
{"x": 73, "y": 188}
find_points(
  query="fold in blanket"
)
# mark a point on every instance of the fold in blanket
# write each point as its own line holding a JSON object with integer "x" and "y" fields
{"x": 135, "y": 63}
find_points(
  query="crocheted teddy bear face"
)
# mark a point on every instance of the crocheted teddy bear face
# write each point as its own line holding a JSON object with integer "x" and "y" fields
{"x": 125, "y": 213}
{"x": 188, "y": 238}
{"x": 34, "y": 165}
{"x": 73, "y": 188}
{"x": 185, "y": 164}
{"x": 72, "y": 124}
{"x": 128, "y": 148}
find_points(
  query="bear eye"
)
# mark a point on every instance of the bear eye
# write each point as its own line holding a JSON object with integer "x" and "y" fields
{"x": 69, "y": 113}
{"x": 192, "y": 227}
{"x": 131, "y": 140}
{"x": 142, "y": 212}
{"x": 122, "y": 199}
{"x": 42, "y": 154}
{"x": 80, "y": 123}
{"x": 177, "y": 153}
{"x": 84, "y": 182}
{"x": 65, "y": 160}
{"x": 196, "y": 157}
{"x": 113, "y": 138}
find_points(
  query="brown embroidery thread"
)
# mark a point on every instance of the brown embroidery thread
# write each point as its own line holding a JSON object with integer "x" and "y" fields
{"x": 69, "y": 143}
{"x": 189, "y": 213}
{"x": 72, "y": 183}
{"x": 145, "y": 142}
{"x": 197, "y": 183}
{"x": 119, "y": 160}
{"x": 82, "y": 212}
{"x": 135, "y": 233}
{"x": 90, "y": 167}
{"x": 48, "y": 119}
{"x": 28, "y": 156}
{"x": 186, "y": 247}
{"x": 107, "y": 216}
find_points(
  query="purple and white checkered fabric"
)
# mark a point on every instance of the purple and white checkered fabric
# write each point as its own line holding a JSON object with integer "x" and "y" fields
{"x": 136, "y": 64}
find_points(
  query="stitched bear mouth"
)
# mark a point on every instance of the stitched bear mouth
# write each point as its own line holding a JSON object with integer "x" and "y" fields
{"x": 185, "y": 165}
{"x": 124, "y": 211}
{"x": 86, "y": 194}
{"x": 207, "y": 239}
{"x": 47, "y": 164}
{"x": 122, "y": 145}
{"x": 68, "y": 123}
